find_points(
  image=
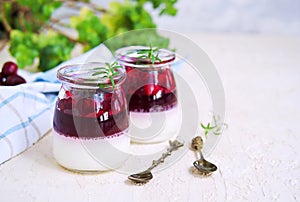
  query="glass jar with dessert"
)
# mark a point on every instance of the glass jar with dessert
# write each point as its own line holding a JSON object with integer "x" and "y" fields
{"x": 150, "y": 92}
{"x": 90, "y": 122}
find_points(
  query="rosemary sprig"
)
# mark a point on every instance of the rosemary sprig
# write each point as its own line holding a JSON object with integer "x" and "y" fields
{"x": 151, "y": 53}
{"x": 109, "y": 71}
{"x": 215, "y": 127}
{"x": 207, "y": 128}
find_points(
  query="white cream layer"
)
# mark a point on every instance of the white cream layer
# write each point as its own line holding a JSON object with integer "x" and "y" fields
{"x": 92, "y": 154}
{"x": 152, "y": 127}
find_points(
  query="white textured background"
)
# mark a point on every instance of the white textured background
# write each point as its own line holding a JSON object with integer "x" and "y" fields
{"x": 279, "y": 17}
{"x": 257, "y": 157}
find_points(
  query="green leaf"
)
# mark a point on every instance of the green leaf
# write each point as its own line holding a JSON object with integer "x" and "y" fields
{"x": 99, "y": 68}
{"x": 98, "y": 73}
{"x": 143, "y": 51}
{"x": 56, "y": 50}
{"x": 89, "y": 27}
{"x": 202, "y": 126}
{"x": 32, "y": 39}
{"x": 112, "y": 81}
{"x": 117, "y": 67}
{"x": 109, "y": 71}
{"x": 23, "y": 47}
{"x": 126, "y": 16}
{"x": 216, "y": 129}
{"x": 165, "y": 7}
{"x": 50, "y": 7}
{"x": 150, "y": 54}
{"x": 115, "y": 73}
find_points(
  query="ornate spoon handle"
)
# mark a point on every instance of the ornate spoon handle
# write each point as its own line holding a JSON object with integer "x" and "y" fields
{"x": 146, "y": 176}
{"x": 174, "y": 145}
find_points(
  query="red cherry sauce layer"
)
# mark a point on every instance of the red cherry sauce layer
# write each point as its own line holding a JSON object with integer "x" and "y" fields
{"x": 150, "y": 91}
{"x": 90, "y": 118}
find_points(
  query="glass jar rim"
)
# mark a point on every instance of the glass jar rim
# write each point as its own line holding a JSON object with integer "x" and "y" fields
{"x": 128, "y": 56}
{"x": 82, "y": 75}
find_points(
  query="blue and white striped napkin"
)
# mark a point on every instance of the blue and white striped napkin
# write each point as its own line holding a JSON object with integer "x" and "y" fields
{"x": 26, "y": 110}
{"x": 25, "y": 116}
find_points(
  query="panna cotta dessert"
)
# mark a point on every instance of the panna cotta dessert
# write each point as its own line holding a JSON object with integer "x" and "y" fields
{"x": 91, "y": 119}
{"x": 151, "y": 93}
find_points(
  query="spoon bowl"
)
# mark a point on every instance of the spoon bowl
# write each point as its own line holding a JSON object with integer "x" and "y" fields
{"x": 205, "y": 166}
{"x": 202, "y": 165}
{"x": 142, "y": 177}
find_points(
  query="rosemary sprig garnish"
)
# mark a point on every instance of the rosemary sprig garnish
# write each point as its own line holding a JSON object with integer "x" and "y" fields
{"x": 109, "y": 71}
{"x": 215, "y": 127}
{"x": 207, "y": 128}
{"x": 151, "y": 53}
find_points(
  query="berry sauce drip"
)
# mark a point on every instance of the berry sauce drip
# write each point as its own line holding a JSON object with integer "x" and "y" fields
{"x": 150, "y": 91}
{"x": 89, "y": 118}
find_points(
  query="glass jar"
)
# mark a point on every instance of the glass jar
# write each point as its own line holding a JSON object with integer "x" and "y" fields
{"x": 151, "y": 93}
{"x": 90, "y": 122}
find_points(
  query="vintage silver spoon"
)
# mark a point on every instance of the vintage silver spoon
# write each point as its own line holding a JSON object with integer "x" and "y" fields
{"x": 205, "y": 167}
{"x": 146, "y": 176}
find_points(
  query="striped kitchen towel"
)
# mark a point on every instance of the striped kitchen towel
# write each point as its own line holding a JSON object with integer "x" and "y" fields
{"x": 25, "y": 116}
{"x": 26, "y": 110}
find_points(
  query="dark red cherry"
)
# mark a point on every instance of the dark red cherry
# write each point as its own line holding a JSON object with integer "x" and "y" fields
{"x": 13, "y": 80}
{"x": 2, "y": 79}
{"x": 106, "y": 104}
{"x": 151, "y": 90}
{"x": 86, "y": 106}
{"x": 65, "y": 104}
{"x": 148, "y": 89}
{"x": 9, "y": 68}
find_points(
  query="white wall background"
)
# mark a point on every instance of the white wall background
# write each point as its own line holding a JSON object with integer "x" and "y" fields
{"x": 250, "y": 16}
{"x": 246, "y": 16}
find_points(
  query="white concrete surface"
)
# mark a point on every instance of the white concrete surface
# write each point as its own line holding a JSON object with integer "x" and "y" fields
{"x": 258, "y": 156}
